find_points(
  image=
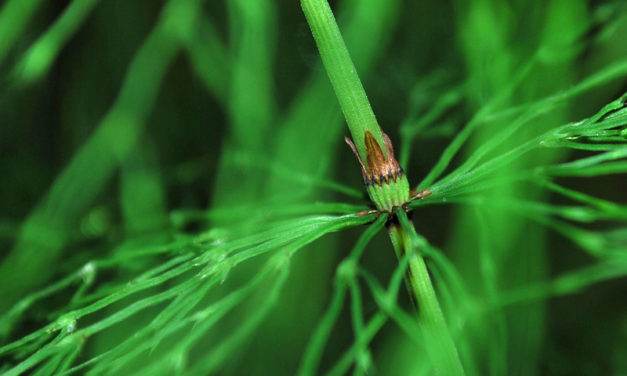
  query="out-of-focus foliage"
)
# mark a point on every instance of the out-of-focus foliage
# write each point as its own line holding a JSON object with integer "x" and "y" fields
{"x": 177, "y": 197}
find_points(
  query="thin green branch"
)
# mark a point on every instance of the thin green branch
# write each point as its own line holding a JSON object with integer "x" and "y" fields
{"x": 601, "y": 77}
{"x": 567, "y": 283}
{"x": 461, "y": 137}
{"x": 373, "y": 326}
{"x": 364, "y": 364}
{"x": 410, "y": 129}
{"x": 345, "y": 272}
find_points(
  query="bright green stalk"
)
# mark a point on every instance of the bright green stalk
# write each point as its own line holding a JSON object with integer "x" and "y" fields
{"x": 361, "y": 119}
{"x": 440, "y": 344}
{"x": 316, "y": 99}
{"x": 385, "y": 180}
{"x": 342, "y": 73}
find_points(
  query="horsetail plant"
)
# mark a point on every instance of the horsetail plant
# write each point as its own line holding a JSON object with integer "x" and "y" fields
{"x": 120, "y": 268}
{"x": 385, "y": 180}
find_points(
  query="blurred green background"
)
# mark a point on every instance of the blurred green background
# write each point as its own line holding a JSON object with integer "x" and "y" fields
{"x": 123, "y": 122}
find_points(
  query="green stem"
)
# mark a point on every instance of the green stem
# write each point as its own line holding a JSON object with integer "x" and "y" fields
{"x": 40, "y": 56}
{"x": 360, "y": 118}
{"x": 342, "y": 73}
{"x": 440, "y": 344}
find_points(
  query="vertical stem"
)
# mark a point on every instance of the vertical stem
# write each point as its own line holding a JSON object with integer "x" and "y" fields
{"x": 360, "y": 118}
{"x": 342, "y": 73}
{"x": 440, "y": 345}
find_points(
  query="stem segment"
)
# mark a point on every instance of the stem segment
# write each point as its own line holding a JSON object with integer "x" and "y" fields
{"x": 382, "y": 170}
{"x": 342, "y": 73}
{"x": 440, "y": 344}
